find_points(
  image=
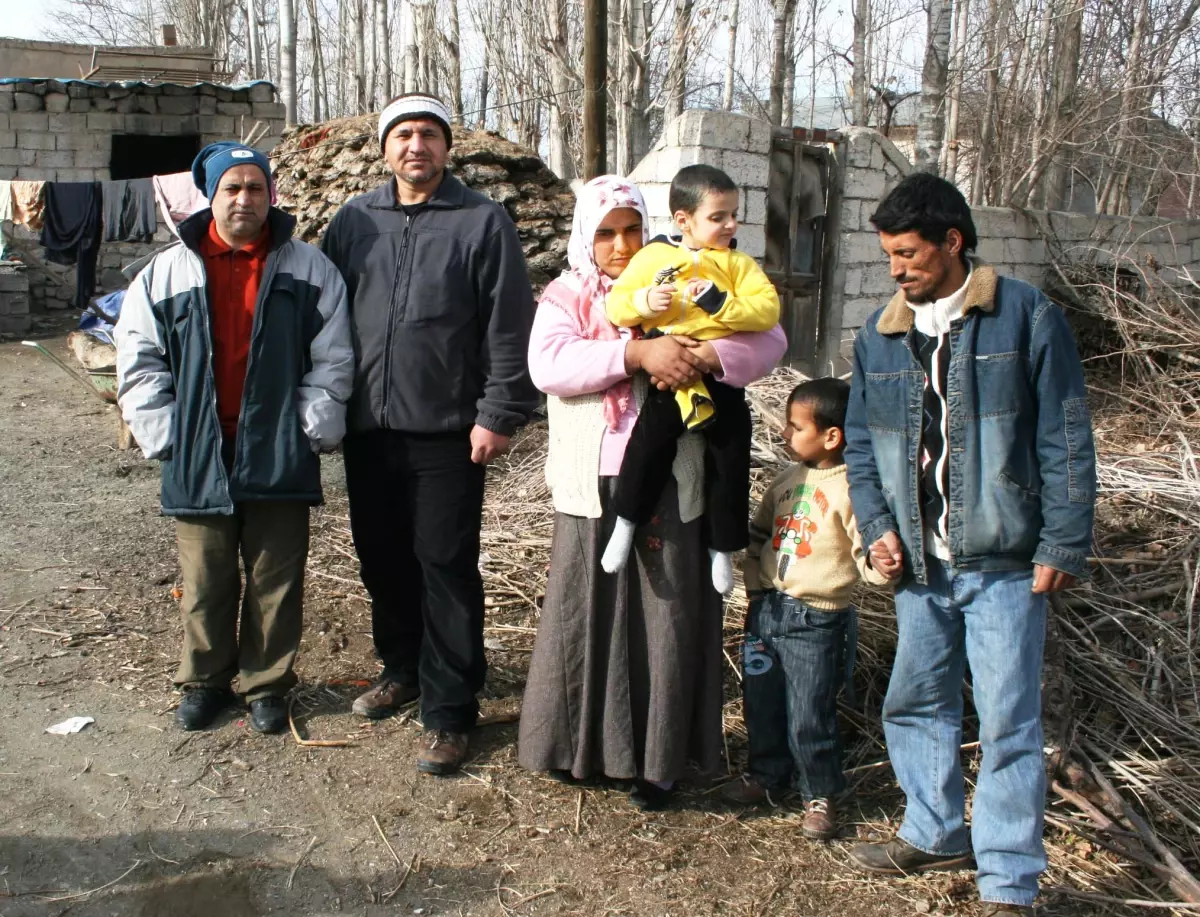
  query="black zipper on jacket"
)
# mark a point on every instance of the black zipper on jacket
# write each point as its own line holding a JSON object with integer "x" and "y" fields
{"x": 391, "y": 329}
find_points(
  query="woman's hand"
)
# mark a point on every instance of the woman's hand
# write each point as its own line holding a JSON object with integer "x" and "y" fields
{"x": 671, "y": 365}
{"x": 710, "y": 360}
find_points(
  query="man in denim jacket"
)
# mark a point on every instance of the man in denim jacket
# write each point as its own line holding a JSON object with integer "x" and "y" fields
{"x": 972, "y": 474}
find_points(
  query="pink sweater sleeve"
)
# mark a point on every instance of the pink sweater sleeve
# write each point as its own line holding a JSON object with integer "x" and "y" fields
{"x": 563, "y": 362}
{"x": 748, "y": 356}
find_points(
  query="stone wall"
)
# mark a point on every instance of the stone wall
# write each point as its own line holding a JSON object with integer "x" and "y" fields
{"x": 62, "y": 130}
{"x": 54, "y": 130}
{"x": 738, "y": 144}
{"x": 14, "y": 300}
{"x": 1023, "y": 244}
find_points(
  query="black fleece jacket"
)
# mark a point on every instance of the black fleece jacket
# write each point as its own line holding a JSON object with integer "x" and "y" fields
{"x": 441, "y": 309}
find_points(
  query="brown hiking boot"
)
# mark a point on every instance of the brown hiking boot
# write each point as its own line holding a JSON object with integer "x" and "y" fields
{"x": 820, "y": 820}
{"x": 385, "y": 698}
{"x": 899, "y": 858}
{"x": 745, "y": 791}
{"x": 442, "y": 752}
{"x": 996, "y": 909}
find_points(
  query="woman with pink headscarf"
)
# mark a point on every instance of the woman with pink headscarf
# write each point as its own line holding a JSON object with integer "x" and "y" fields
{"x": 625, "y": 680}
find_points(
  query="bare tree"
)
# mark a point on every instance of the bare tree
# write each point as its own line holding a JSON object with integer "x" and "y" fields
{"x": 931, "y": 121}
{"x": 860, "y": 75}
{"x": 731, "y": 66}
{"x": 287, "y": 59}
{"x": 784, "y": 14}
{"x": 678, "y": 69}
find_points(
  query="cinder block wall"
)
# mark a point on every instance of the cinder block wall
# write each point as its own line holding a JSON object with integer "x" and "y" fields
{"x": 62, "y": 130}
{"x": 1023, "y": 244}
{"x": 738, "y": 144}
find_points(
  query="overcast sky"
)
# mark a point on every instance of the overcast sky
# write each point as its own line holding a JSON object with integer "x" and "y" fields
{"x": 20, "y": 19}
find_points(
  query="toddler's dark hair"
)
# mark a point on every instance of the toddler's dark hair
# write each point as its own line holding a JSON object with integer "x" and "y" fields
{"x": 928, "y": 205}
{"x": 827, "y": 398}
{"x": 692, "y": 183}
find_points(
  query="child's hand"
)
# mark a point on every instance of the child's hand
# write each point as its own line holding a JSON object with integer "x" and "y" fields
{"x": 697, "y": 287}
{"x": 659, "y": 298}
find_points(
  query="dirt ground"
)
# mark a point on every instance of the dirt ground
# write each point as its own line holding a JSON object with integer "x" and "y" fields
{"x": 134, "y": 817}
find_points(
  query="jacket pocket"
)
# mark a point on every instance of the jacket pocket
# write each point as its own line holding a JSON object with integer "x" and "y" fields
{"x": 439, "y": 281}
{"x": 886, "y": 396}
{"x": 1001, "y": 384}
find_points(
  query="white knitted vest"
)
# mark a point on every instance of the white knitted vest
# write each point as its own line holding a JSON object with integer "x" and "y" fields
{"x": 573, "y": 465}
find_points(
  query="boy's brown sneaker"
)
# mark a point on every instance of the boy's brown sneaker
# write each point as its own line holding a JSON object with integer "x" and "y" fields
{"x": 996, "y": 909}
{"x": 900, "y": 858}
{"x": 820, "y": 820}
{"x": 745, "y": 791}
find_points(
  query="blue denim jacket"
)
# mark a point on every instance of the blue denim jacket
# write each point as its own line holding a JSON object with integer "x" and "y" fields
{"x": 1022, "y": 460}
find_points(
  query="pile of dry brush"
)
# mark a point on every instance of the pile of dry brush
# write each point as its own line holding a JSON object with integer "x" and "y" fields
{"x": 320, "y": 167}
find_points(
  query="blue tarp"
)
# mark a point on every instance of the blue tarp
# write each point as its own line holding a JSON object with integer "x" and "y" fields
{"x": 128, "y": 84}
{"x": 97, "y": 327}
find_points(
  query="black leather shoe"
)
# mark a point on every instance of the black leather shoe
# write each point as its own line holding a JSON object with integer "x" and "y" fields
{"x": 899, "y": 858}
{"x": 269, "y": 714}
{"x": 200, "y": 707}
{"x": 648, "y": 797}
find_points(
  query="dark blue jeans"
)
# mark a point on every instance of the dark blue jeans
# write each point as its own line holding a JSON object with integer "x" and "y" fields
{"x": 793, "y": 664}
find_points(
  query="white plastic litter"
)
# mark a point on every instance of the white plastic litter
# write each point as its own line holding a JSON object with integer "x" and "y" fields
{"x": 71, "y": 726}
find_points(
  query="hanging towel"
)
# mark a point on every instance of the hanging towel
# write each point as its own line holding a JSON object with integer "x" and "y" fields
{"x": 130, "y": 214}
{"x": 178, "y": 197}
{"x": 28, "y": 203}
{"x": 6, "y": 214}
{"x": 71, "y": 233}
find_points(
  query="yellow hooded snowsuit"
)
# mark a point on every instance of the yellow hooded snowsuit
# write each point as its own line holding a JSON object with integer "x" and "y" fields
{"x": 740, "y": 297}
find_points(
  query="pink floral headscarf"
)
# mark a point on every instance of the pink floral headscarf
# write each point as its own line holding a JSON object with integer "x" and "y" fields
{"x": 580, "y": 291}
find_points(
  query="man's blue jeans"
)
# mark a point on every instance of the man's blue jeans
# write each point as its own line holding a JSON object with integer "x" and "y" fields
{"x": 996, "y": 623}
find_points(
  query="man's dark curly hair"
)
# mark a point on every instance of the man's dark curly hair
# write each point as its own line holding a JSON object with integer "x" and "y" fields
{"x": 929, "y": 206}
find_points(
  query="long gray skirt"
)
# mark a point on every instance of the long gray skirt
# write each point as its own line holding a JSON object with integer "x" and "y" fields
{"x": 625, "y": 679}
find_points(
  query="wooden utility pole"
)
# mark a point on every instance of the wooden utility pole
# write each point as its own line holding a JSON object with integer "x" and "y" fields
{"x": 595, "y": 92}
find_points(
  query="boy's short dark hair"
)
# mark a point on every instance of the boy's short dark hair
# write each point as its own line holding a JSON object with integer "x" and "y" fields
{"x": 692, "y": 183}
{"x": 827, "y": 398}
{"x": 928, "y": 205}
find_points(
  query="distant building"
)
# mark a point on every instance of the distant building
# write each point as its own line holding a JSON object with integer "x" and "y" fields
{"x": 169, "y": 63}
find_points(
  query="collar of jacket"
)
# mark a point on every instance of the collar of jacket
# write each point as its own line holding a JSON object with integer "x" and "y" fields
{"x": 677, "y": 241}
{"x": 448, "y": 195}
{"x": 193, "y": 230}
{"x": 897, "y": 317}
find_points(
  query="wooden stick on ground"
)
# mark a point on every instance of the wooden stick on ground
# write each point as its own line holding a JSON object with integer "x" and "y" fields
{"x": 313, "y": 743}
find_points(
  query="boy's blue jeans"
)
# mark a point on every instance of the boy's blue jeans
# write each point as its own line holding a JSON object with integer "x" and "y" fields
{"x": 793, "y": 661}
{"x": 995, "y": 622}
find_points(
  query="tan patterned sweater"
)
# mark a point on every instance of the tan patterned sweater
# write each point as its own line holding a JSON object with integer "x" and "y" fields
{"x": 804, "y": 541}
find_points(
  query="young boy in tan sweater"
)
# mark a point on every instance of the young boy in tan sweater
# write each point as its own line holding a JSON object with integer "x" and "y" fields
{"x": 804, "y": 561}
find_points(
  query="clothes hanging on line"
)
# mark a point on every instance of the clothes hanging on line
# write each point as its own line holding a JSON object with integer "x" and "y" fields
{"x": 28, "y": 203}
{"x": 178, "y": 197}
{"x": 130, "y": 210}
{"x": 72, "y": 230}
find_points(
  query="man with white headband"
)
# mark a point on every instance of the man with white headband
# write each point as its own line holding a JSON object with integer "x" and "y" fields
{"x": 441, "y": 309}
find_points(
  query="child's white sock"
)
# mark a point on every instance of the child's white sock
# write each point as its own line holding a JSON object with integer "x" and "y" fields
{"x": 619, "y": 545}
{"x": 722, "y": 571}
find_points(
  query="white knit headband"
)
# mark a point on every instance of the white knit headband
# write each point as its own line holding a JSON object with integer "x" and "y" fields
{"x": 407, "y": 108}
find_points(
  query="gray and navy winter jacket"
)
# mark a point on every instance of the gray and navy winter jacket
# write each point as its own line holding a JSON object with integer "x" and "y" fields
{"x": 441, "y": 309}
{"x": 298, "y": 376}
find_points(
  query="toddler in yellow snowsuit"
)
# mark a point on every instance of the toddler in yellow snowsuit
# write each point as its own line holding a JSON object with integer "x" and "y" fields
{"x": 701, "y": 287}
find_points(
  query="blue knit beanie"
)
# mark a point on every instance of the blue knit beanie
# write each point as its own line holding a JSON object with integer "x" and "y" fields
{"x": 218, "y": 158}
